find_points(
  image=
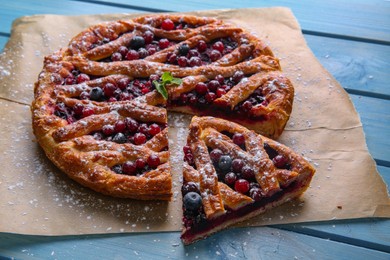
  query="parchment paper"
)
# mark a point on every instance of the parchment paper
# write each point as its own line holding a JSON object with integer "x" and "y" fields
{"x": 36, "y": 198}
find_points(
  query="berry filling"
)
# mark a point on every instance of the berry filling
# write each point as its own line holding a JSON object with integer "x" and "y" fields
{"x": 188, "y": 156}
{"x": 76, "y": 77}
{"x": 201, "y": 54}
{"x": 128, "y": 130}
{"x": 205, "y": 93}
{"x": 72, "y": 114}
{"x": 137, "y": 167}
{"x": 140, "y": 47}
{"x": 169, "y": 25}
{"x": 100, "y": 42}
{"x": 280, "y": 161}
{"x": 122, "y": 90}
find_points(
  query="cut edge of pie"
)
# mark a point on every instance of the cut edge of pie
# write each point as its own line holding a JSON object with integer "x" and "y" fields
{"x": 256, "y": 183}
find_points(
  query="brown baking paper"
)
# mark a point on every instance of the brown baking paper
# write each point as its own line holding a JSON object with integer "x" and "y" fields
{"x": 36, "y": 198}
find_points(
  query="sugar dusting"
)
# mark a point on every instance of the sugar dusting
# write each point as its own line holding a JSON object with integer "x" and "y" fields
{"x": 50, "y": 194}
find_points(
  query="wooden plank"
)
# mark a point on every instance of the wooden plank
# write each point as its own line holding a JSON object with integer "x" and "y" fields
{"x": 385, "y": 173}
{"x": 240, "y": 243}
{"x": 359, "y": 67}
{"x": 328, "y": 17}
{"x": 375, "y": 116}
{"x": 10, "y": 10}
{"x": 369, "y": 19}
{"x": 369, "y": 233}
{"x": 3, "y": 41}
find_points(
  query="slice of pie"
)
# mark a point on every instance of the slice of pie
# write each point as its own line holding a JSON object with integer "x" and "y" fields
{"x": 100, "y": 108}
{"x": 231, "y": 174}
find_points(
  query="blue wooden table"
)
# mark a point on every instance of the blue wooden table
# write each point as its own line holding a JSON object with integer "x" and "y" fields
{"x": 351, "y": 40}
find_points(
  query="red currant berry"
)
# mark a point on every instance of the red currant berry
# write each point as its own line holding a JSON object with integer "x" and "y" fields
{"x": 215, "y": 55}
{"x": 148, "y": 37}
{"x": 116, "y": 56}
{"x": 123, "y": 82}
{"x": 140, "y": 163}
{"x": 220, "y": 79}
{"x": 109, "y": 89}
{"x": 88, "y": 111}
{"x": 153, "y": 161}
{"x": 210, "y": 97}
{"x": 230, "y": 178}
{"x": 132, "y": 55}
{"x": 129, "y": 168}
{"x": 182, "y": 61}
{"x": 167, "y": 25}
{"x": 120, "y": 126}
{"x": 220, "y": 92}
{"x": 131, "y": 124}
{"x": 108, "y": 130}
{"x": 202, "y": 46}
{"x": 246, "y": 106}
{"x": 218, "y": 46}
{"x": 280, "y": 161}
{"x": 187, "y": 149}
{"x": 247, "y": 173}
{"x": 215, "y": 155}
{"x": 238, "y": 76}
{"x": 123, "y": 50}
{"x": 154, "y": 129}
{"x": 82, "y": 78}
{"x": 139, "y": 138}
{"x": 163, "y": 43}
{"x": 195, "y": 61}
{"x": 213, "y": 85}
{"x": 238, "y": 139}
{"x": 241, "y": 186}
{"x": 201, "y": 88}
{"x": 237, "y": 165}
{"x": 78, "y": 109}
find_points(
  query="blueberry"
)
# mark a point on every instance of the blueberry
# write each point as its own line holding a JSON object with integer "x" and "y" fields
{"x": 225, "y": 162}
{"x": 96, "y": 94}
{"x": 184, "y": 49}
{"x": 117, "y": 169}
{"x": 119, "y": 138}
{"x": 137, "y": 42}
{"x": 192, "y": 201}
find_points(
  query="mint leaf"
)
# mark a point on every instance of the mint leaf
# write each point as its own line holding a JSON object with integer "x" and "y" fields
{"x": 166, "y": 78}
{"x": 176, "y": 81}
{"x": 161, "y": 89}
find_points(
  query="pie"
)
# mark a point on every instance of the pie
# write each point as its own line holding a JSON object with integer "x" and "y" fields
{"x": 231, "y": 174}
{"x": 100, "y": 114}
{"x": 100, "y": 107}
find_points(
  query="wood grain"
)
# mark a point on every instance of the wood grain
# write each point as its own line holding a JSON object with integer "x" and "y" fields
{"x": 367, "y": 21}
{"x": 359, "y": 67}
{"x": 375, "y": 116}
{"x": 237, "y": 243}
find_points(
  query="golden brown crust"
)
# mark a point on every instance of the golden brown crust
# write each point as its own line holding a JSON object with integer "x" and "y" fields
{"x": 211, "y": 133}
{"x": 67, "y": 144}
